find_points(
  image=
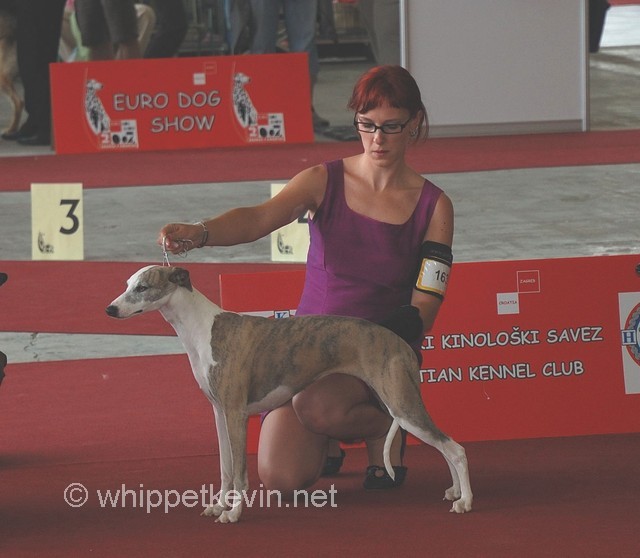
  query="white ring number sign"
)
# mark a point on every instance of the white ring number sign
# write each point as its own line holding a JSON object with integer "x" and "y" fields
{"x": 57, "y": 231}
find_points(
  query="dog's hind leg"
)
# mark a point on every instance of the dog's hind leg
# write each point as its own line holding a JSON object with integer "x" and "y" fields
{"x": 456, "y": 459}
{"x": 404, "y": 402}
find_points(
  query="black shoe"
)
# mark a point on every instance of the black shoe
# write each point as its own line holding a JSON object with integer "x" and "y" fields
{"x": 25, "y": 131}
{"x": 35, "y": 140}
{"x": 11, "y": 136}
{"x": 333, "y": 465}
{"x": 377, "y": 478}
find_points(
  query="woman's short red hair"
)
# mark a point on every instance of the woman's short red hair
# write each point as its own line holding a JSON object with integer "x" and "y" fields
{"x": 389, "y": 85}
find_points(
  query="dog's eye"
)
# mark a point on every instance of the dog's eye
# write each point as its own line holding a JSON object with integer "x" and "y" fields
{"x": 140, "y": 289}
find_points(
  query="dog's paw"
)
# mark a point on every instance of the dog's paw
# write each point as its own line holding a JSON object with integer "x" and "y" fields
{"x": 452, "y": 494}
{"x": 213, "y": 511}
{"x": 460, "y": 506}
{"x": 230, "y": 516}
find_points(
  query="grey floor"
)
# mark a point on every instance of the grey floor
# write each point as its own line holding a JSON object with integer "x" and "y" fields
{"x": 510, "y": 214}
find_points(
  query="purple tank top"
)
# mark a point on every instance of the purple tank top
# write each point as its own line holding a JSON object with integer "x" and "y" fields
{"x": 357, "y": 266}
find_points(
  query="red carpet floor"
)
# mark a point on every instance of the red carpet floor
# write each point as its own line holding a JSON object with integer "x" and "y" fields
{"x": 277, "y": 162}
{"x": 141, "y": 424}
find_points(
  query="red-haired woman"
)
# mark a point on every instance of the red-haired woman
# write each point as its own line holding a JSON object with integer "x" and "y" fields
{"x": 380, "y": 249}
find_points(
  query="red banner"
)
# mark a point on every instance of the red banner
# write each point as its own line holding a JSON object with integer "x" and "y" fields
{"x": 181, "y": 103}
{"x": 521, "y": 349}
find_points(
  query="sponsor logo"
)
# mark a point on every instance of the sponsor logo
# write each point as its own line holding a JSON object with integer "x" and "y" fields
{"x": 508, "y": 303}
{"x": 631, "y": 334}
{"x": 629, "y": 308}
{"x": 528, "y": 281}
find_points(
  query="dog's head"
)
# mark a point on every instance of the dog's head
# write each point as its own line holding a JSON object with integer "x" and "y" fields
{"x": 93, "y": 85}
{"x": 149, "y": 289}
{"x": 240, "y": 79}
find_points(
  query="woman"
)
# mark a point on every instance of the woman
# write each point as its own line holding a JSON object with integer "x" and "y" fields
{"x": 374, "y": 221}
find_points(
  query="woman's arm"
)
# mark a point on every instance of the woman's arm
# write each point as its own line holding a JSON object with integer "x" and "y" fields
{"x": 440, "y": 230}
{"x": 245, "y": 224}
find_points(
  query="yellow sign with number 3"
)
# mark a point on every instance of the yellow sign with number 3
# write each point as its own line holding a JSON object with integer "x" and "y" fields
{"x": 57, "y": 231}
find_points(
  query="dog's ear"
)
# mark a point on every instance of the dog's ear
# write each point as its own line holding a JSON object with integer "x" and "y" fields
{"x": 180, "y": 277}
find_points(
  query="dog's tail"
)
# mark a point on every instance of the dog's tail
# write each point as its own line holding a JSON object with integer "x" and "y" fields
{"x": 387, "y": 448}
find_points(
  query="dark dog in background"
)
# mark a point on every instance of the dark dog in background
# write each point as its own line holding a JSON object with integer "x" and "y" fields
{"x": 3, "y": 357}
{"x": 9, "y": 65}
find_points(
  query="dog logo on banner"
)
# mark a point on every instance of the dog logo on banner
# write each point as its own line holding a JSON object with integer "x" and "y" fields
{"x": 260, "y": 127}
{"x": 629, "y": 304}
{"x": 112, "y": 133}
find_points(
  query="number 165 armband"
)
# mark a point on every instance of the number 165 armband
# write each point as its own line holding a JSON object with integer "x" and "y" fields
{"x": 434, "y": 269}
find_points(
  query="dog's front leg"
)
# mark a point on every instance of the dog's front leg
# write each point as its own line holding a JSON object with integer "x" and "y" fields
{"x": 226, "y": 479}
{"x": 236, "y": 422}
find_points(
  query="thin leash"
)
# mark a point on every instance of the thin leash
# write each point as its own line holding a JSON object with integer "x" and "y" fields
{"x": 165, "y": 254}
{"x": 183, "y": 252}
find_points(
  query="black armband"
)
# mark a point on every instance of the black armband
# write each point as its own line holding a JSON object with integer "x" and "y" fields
{"x": 434, "y": 269}
{"x": 405, "y": 322}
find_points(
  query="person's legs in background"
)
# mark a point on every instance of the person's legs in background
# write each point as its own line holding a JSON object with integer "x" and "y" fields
{"x": 265, "y": 15}
{"x": 38, "y": 30}
{"x": 109, "y": 28}
{"x": 326, "y": 21}
{"x": 122, "y": 22}
{"x": 72, "y": 49}
{"x": 300, "y": 21}
{"x": 381, "y": 19}
{"x": 170, "y": 31}
{"x": 146, "y": 24}
{"x": 93, "y": 29}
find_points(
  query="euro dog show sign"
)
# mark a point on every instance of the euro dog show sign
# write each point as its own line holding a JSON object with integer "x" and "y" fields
{"x": 181, "y": 103}
{"x": 520, "y": 349}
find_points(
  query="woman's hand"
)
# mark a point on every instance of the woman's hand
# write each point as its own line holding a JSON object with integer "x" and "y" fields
{"x": 181, "y": 237}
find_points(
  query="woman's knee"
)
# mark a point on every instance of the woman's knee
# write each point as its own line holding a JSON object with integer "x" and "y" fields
{"x": 289, "y": 456}
{"x": 317, "y": 413}
{"x": 323, "y": 406}
{"x": 285, "y": 480}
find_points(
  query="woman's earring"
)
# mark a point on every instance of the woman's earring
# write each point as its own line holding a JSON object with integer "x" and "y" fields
{"x": 414, "y": 132}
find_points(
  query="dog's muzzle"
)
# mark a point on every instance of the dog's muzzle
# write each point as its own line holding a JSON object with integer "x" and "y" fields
{"x": 112, "y": 311}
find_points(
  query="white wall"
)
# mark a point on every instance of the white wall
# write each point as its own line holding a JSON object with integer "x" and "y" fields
{"x": 499, "y": 66}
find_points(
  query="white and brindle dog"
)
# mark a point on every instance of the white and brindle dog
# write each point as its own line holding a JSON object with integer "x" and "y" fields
{"x": 247, "y": 364}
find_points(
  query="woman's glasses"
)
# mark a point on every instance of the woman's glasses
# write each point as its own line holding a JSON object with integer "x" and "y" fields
{"x": 370, "y": 127}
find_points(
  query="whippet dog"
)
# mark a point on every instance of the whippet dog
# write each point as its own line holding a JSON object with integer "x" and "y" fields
{"x": 247, "y": 365}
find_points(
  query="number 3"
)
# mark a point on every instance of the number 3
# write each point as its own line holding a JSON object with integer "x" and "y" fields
{"x": 71, "y": 215}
